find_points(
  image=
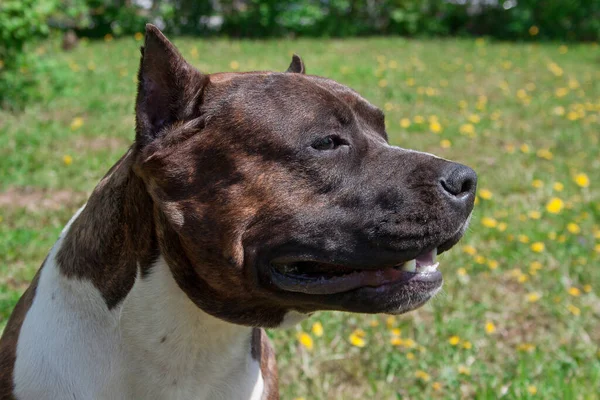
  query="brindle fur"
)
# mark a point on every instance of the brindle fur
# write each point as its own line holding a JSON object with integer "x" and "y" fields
{"x": 222, "y": 178}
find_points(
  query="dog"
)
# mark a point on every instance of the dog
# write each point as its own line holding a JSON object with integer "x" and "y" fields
{"x": 247, "y": 201}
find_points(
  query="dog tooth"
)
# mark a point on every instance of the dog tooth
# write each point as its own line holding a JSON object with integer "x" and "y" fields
{"x": 410, "y": 266}
{"x": 429, "y": 268}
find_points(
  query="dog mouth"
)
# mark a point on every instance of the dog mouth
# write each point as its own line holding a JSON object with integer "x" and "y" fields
{"x": 323, "y": 278}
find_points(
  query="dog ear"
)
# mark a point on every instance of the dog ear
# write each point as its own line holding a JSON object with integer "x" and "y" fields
{"x": 297, "y": 65}
{"x": 169, "y": 89}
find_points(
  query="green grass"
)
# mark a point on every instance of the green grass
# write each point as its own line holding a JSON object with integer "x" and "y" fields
{"x": 512, "y": 95}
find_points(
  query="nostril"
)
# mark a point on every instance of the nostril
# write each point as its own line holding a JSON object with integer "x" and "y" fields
{"x": 467, "y": 186}
{"x": 459, "y": 181}
{"x": 447, "y": 187}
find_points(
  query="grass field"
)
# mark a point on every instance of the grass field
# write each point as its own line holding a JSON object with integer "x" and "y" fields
{"x": 519, "y": 316}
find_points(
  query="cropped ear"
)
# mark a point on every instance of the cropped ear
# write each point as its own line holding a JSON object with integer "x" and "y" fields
{"x": 169, "y": 89}
{"x": 296, "y": 66}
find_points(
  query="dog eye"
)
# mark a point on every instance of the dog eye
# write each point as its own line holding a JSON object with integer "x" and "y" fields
{"x": 328, "y": 143}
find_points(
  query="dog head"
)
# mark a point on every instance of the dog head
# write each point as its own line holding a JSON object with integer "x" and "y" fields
{"x": 279, "y": 192}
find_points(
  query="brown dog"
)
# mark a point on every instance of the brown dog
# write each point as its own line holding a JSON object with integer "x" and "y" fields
{"x": 248, "y": 200}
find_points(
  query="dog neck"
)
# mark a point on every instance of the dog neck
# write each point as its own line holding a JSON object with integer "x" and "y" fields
{"x": 168, "y": 341}
{"x": 167, "y": 344}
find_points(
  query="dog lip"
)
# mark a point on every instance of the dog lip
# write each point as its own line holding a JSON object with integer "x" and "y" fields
{"x": 333, "y": 279}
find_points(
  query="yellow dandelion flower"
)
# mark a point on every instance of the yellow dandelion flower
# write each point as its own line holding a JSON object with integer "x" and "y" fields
{"x": 374, "y": 323}
{"x": 360, "y": 333}
{"x": 67, "y": 159}
{"x": 422, "y": 375}
{"x": 558, "y": 186}
{"x": 489, "y": 222}
{"x": 510, "y": 148}
{"x": 410, "y": 355}
{"x": 436, "y": 386}
{"x": 534, "y": 30}
{"x": 454, "y": 340}
{"x": 524, "y": 148}
{"x": 76, "y": 123}
{"x": 467, "y": 129}
{"x": 418, "y": 119}
{"x": 522, "y": 278}
{"x": 405, "y": 123}
{"x": 305, "y": 340}
{"x": 555, "y": 69}
{"x": 559, "y": 110}
{"x": 485, "y": 194}
{"x": 502, "y": 226}
{"x": 536, "y": 265}
{"x": 526, "y": 347}
{"x": 537, "y": 247}
{"x": 523, "y": 238}
{"x": 463, "y": 104}
{"x": 582, "y": 180}
{"x": 467, "y": 345}
{"x": 356, "y": 339}
{"x": 461, "y": 272}
{"x": 533, "y": 297}
{"x": 409, "y": 343}
{"x": 383, "y": 83}
{"x": 138, "y": 36}
{"x": 545, "y": 154}
{"x": 492, "y": 264}
{"x": 396, "y": 341}
{"x": 317, "y": 329}
{"x": 435, "y": 127}
{"x": 480, "y": 259}
{"x": 534, "y": 214}
{"x": 469, "y": 249}
{"x": 474, "y": 118}
{"x": 555, "y": 205}
{"x": 490, "y": 327}
{"x": 563, "y": 49}
{"x": 573, "y": 291}
{"x": 532, "y": 389}
{"x": 587, "y": 288}
{"x": 561, "y": 92}
{"x": 393, "y": 64}
{"x": 410, "y": 82}
{"x": 234, "y": 65}
{"x": 574, "y": 310}
{"x": 396, "y": 331}
{"x": 572, "y": 116}
{"x": 573, "y": 228}
{"x": 390, "y": 321}
{"x": 464, "y": 370}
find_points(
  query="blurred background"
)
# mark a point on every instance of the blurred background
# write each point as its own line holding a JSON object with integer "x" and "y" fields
{"x": 511, "y": 88}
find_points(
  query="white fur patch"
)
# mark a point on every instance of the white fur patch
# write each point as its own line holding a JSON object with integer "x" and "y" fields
{"x": 292, "y": 318}
{"x": 156, "y": 345}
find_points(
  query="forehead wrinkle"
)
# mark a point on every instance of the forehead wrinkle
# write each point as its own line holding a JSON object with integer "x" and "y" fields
{"x": 357, "y": 104}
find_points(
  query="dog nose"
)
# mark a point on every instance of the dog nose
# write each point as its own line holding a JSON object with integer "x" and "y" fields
{"x": 459, "y": 182}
